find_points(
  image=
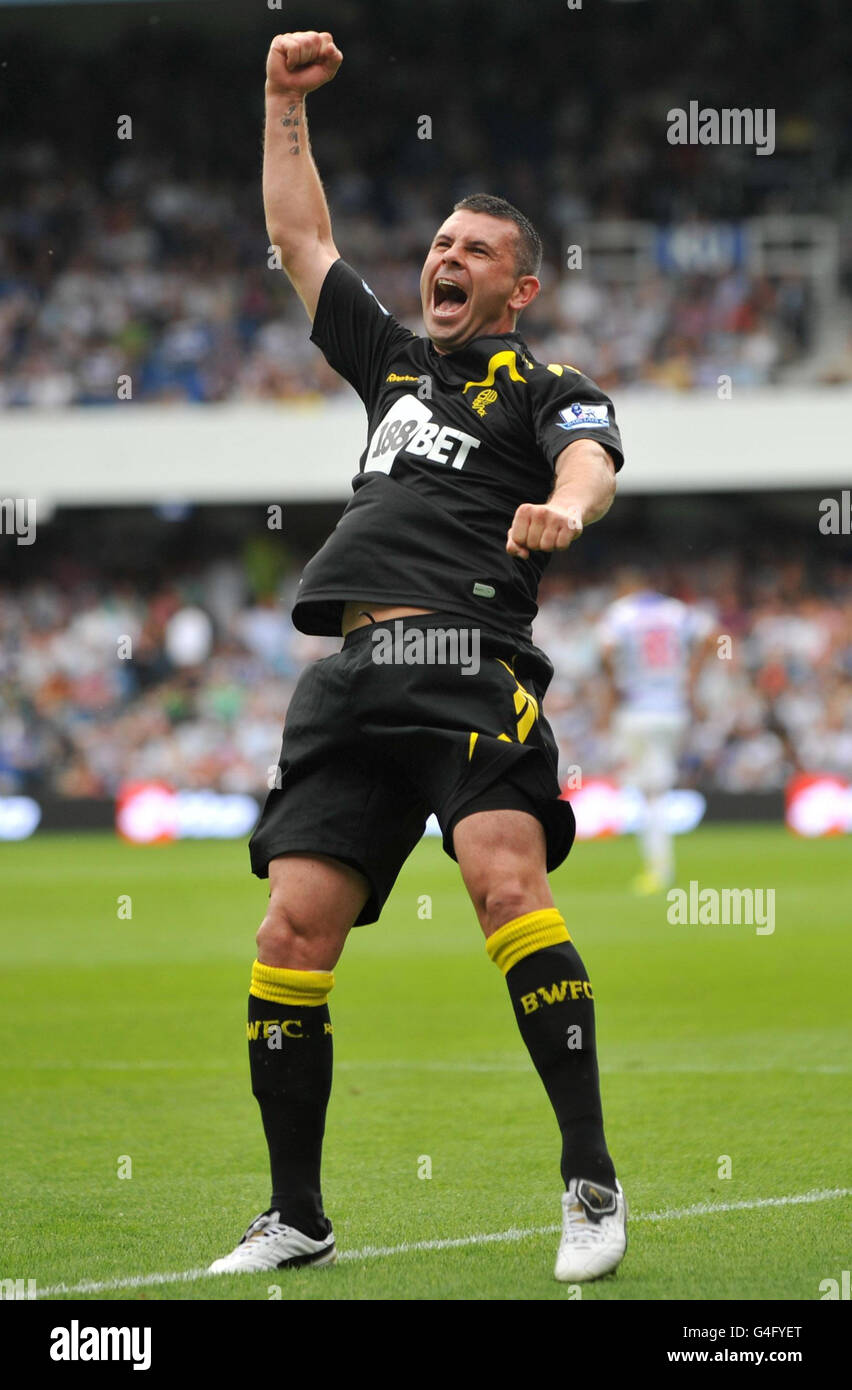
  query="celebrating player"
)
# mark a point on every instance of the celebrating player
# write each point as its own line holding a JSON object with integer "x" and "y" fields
{"x": 480, "y": 463}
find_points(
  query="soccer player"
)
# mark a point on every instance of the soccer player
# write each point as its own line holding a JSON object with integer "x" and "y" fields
{"x": 480, "y": 463}
{"x": 652, "y": 650}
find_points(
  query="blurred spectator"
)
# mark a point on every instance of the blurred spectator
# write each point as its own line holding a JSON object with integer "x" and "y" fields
{"x": 77, "y": 720}
{"x": 138, "y": 298}
{"x": 148, "y": 259}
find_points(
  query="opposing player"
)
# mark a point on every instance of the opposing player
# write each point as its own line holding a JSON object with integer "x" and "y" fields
{"x": 480, "y": 462}
{"x": 652, "y": 649}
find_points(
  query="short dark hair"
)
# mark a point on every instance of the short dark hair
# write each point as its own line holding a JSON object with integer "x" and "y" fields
{"x": 528, "y": 247}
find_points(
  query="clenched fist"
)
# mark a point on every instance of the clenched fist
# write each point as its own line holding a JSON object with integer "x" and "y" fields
{"x": 299, "y": 63}
{"x": 541, "y": 526}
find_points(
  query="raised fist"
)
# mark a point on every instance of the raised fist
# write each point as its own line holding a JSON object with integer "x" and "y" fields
{"x": 301, "y": 62}
{"x": 540, "y": 526}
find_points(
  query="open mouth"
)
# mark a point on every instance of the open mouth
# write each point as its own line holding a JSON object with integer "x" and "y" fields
{"x": 448, "y": 298}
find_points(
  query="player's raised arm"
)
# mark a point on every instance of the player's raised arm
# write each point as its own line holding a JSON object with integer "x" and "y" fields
{"x": 297, "y": 217}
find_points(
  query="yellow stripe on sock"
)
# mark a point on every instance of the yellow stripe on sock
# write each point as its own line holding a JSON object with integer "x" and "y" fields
{"x": 532, "y": 932}
{"x": 279, "y": 986}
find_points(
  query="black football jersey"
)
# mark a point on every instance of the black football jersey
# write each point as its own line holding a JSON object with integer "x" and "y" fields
{"x": 456, "y": 442}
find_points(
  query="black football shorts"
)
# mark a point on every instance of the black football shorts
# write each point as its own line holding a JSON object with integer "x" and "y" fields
{"x": 412, "y": 715}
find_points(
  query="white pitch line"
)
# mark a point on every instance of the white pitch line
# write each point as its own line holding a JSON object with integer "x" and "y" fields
{"x": 515, "y": 1065}
{"x": 378, "y": 1252}
{"x": 826, "y": 1194}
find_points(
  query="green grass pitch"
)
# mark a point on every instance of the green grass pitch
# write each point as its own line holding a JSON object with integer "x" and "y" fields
{"x": 125, "y": 1038}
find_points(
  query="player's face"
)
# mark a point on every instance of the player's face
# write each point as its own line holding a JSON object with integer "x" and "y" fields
{"x": 470, "y": 285}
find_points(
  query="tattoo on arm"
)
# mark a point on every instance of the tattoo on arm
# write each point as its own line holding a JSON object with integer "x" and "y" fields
{"x": 292, "y": 121}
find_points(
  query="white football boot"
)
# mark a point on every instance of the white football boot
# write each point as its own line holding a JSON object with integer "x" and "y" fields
{"x": 594, "y": 1231}
{"x": 268, "y": 1244}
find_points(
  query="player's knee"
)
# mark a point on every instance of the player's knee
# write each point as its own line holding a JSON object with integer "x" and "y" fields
{"x": 283, "y": 940}
{"x": 510, "y": 898}
{"x": 275, "y": 937}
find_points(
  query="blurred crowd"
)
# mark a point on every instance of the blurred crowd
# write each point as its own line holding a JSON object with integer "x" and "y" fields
{"x": 138, "y": 267}
{"x": 772, "y": 700}
{"x": 100, "y": 686}
{"x": 163, "y": 294}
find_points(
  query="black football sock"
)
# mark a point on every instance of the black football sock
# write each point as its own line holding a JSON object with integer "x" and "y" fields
{"x": 290, "y": 1056}
{"x": 554, "y": 1006}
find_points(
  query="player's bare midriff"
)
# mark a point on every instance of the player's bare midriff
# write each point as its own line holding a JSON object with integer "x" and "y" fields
{"x": 359, "y": 612}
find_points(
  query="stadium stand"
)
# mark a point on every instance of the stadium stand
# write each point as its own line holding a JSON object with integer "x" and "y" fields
{"x": 147, "y": 257}
{"x": 215, "y": 659}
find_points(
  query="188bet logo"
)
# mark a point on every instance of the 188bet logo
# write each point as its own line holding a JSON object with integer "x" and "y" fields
{"x": 409, "y": 425}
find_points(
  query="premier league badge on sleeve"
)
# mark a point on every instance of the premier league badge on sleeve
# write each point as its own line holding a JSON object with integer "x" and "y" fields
{"x": 573, "y": 416}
